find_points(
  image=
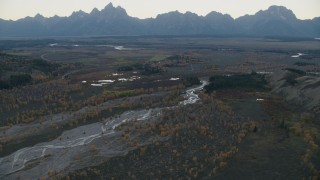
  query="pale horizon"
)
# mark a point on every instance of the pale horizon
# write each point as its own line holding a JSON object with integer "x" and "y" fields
{"x": 142, "y": 9}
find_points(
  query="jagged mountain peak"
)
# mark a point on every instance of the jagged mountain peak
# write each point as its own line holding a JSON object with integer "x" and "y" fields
{"x": 94, "y": 11}
{"x": 113, "y": 11}
{"x": 79, "y": 13}
{"x": 189, "y": 13}
{"x": 278, "y": 9}
{"x": 214, "y": 14}
{"x": 110, "y": 5}
{"x": 277, "y": 12}
{"x": 38, "y": 16}
{"x": 176, "y": 13}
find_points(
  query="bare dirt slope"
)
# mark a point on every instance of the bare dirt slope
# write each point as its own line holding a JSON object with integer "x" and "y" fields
{"x": 299, "y": 89}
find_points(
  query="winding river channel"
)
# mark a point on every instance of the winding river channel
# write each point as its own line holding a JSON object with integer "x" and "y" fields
{"x": 71, "y": 150}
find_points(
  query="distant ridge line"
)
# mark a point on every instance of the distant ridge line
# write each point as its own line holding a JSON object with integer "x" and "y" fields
{"x": 275, "y": 21}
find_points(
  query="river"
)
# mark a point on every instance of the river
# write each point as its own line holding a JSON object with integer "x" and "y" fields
{"x": 71, "y": 150}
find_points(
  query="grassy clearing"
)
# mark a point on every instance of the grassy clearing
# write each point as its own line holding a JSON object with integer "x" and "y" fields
{"x": 282, "y": 147}
{"x": 310, "y": 133}
{"x": 121, "y": 93}
{"x": 159, "y": 58}
{"x": 301, "y": 127}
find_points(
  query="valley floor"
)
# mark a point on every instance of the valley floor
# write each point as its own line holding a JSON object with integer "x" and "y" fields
{"x": 87, "y": 109}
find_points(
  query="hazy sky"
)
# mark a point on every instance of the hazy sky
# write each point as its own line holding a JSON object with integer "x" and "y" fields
{"x": 15, "y": 9}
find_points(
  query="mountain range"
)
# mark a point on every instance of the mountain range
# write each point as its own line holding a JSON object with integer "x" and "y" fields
{"x": 275, "y": 21}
